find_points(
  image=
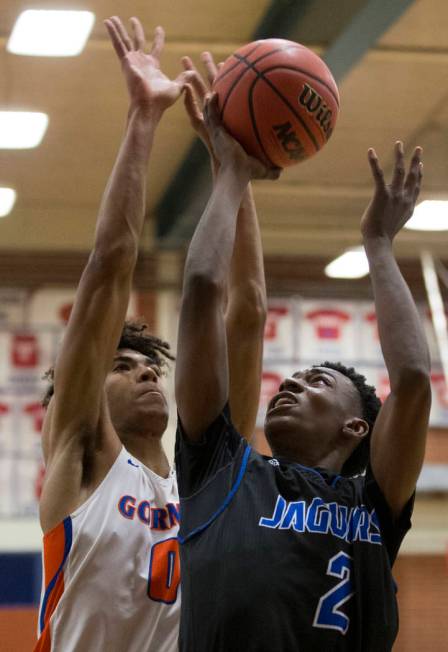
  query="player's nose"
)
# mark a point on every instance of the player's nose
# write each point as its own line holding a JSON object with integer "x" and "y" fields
{"x": 291, "y": 384}
{"x": 146, "y": 374}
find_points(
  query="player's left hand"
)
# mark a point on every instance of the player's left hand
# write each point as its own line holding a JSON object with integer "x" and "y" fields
{"x": 196, "y": 92}
{"x": 148, "y": 87}
{"x": 392, "y": 205}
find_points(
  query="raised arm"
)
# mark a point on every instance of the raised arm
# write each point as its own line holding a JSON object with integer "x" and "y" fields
{"x": 76, "y": 430}
{"x": 245, "y": 312}
{"x": 399, "y": 434}
{"x": 202, "y": 370}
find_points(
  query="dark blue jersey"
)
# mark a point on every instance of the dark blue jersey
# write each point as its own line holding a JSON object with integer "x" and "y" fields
{"x": 277, "y": 557}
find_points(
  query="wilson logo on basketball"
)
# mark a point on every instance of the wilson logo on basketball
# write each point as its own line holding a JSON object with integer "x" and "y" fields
{"x": 315, "y": 105}
{"x": 289, "y": 142}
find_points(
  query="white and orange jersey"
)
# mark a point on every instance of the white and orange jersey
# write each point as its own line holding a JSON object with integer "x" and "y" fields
{"x": 111, "y": 568}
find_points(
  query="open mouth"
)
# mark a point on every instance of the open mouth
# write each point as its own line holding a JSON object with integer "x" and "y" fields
{"x": 283, "y": 398}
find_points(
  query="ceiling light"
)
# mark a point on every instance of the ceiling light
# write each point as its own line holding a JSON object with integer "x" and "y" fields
{"x": 7, "y": 200}
{"x": 43, "y": 33}
{"x": 429, "y": 215}
{"x": 351, "y": 264}
{"x": 21, "y": 129}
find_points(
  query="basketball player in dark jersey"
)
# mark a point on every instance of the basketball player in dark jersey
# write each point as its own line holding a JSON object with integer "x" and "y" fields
{"x": 294, "y": 553}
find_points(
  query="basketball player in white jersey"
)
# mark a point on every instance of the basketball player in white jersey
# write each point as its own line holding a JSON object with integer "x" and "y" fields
{"x": 109, "y": 506}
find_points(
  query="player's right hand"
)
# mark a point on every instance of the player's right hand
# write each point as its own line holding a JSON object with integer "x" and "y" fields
{"x": 392, "y": 204}
{"x": 227, "y": 150}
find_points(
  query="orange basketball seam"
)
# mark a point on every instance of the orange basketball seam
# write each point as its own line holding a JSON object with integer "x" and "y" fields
{"x": 242, "y": 59}
{"x": 308, "y": 74}
{"x": 254, "y": 122}
{"x": 260, "y": 75}
{"x": 224, "y": 74}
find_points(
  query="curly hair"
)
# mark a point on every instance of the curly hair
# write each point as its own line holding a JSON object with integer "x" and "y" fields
{"x": 133, "y": 336}
{"x": 371, "y": 404}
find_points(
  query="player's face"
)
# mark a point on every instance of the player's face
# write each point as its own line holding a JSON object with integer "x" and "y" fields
{"x": 305, "y": 419}
{"x": 136, "y": 395}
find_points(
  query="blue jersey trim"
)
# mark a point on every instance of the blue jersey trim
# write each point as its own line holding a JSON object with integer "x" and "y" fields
{"x": 50, "y": 587}
{"x": 226, "y": 502}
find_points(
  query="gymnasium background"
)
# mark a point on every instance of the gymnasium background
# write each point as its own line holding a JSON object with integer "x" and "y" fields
{"x": 390, "y": 60}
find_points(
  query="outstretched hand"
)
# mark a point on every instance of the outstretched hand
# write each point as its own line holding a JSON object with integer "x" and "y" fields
{"x": 392, "y": 205}
{"x": 227, "y": 150}
{"x": 148, "y": 87}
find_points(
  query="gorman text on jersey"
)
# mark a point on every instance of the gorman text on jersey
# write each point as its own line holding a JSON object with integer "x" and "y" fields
{"x": 156, "y": 518}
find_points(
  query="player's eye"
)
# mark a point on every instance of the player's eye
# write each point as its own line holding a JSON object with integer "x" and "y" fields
{"x": 319, "y": 380}
{"x": 121, "y": 366}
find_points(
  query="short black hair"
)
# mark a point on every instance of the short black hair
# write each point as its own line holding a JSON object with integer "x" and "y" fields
{"x": 371, "y": 404}
{"x": 136, "y": 336}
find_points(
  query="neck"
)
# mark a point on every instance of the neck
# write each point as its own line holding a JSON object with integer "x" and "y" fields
{"x": 332, "y": 461}
{"x": 149, "y": 451}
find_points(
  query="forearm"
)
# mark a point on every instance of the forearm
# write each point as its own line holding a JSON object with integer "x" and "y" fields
{"x": 247, "y": 286}
{"x": 122, "y": 209}
{"x": 401, "y": 334}
{"x": 210, "y": 253}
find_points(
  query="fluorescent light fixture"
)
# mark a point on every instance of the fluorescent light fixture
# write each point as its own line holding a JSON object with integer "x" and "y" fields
{"x": 48, "y": 33}
{"x": 351, "y": 264}
{"x": 429, "y": 215}
{"x": 7, "y": 200}
{"x": 22, "y": 129}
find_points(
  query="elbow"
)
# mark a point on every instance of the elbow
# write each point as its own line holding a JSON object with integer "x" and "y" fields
{"x": 203, "y": 285}
{"x": 247, "y": 307}
{"x": 115, "y": 259}
{"x": 414, "y": 380}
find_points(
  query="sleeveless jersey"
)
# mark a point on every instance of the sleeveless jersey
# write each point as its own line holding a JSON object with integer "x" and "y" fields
{"x": 278, "y": 556}
{"x": 111, "y": 568}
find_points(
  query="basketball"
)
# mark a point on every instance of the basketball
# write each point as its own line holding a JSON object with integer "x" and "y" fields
{"x": 278, "y": 99}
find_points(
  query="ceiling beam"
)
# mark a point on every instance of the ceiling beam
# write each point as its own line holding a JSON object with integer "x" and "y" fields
{"x": 353, "y": 31}
{"x": 361, "y": 33}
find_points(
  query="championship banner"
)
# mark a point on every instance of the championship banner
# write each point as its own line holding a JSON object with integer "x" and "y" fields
{"x": 369, "y": 341}
{"x": 12, "y": 306}
{"x": 328, "y": 331}
{"x": 439, "y": 405}
{"x": 280, "y": 330}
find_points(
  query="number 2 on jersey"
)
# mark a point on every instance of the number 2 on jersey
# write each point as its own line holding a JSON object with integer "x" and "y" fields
{"x": 328, "y": 614}
{"x": 164, "y": 571}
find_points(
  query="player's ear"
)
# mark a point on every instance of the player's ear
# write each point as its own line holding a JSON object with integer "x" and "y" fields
{"x": 355, "y": 428}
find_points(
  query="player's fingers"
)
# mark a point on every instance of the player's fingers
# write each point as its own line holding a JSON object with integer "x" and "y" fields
{"x": 187, "y": 63}
{"x": 377, "y": 172}
{"x": 414, "y": 175}
{"x": 210, "y": 66}
{"x": 185, "y": 77}
{"x": 115, "y": 38}
{"x": 198, "y": 83}
{"x": 418, "y": 185}
{"x": 139, "y": 34}
{"x": 399, "y": 169}
{"x": 158, "y": 42}
{"x": 219, "y": 66}
{"x": 211, "y": 110}
{"x": 191, "y": 105}
{"x": 124, "y": 36}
